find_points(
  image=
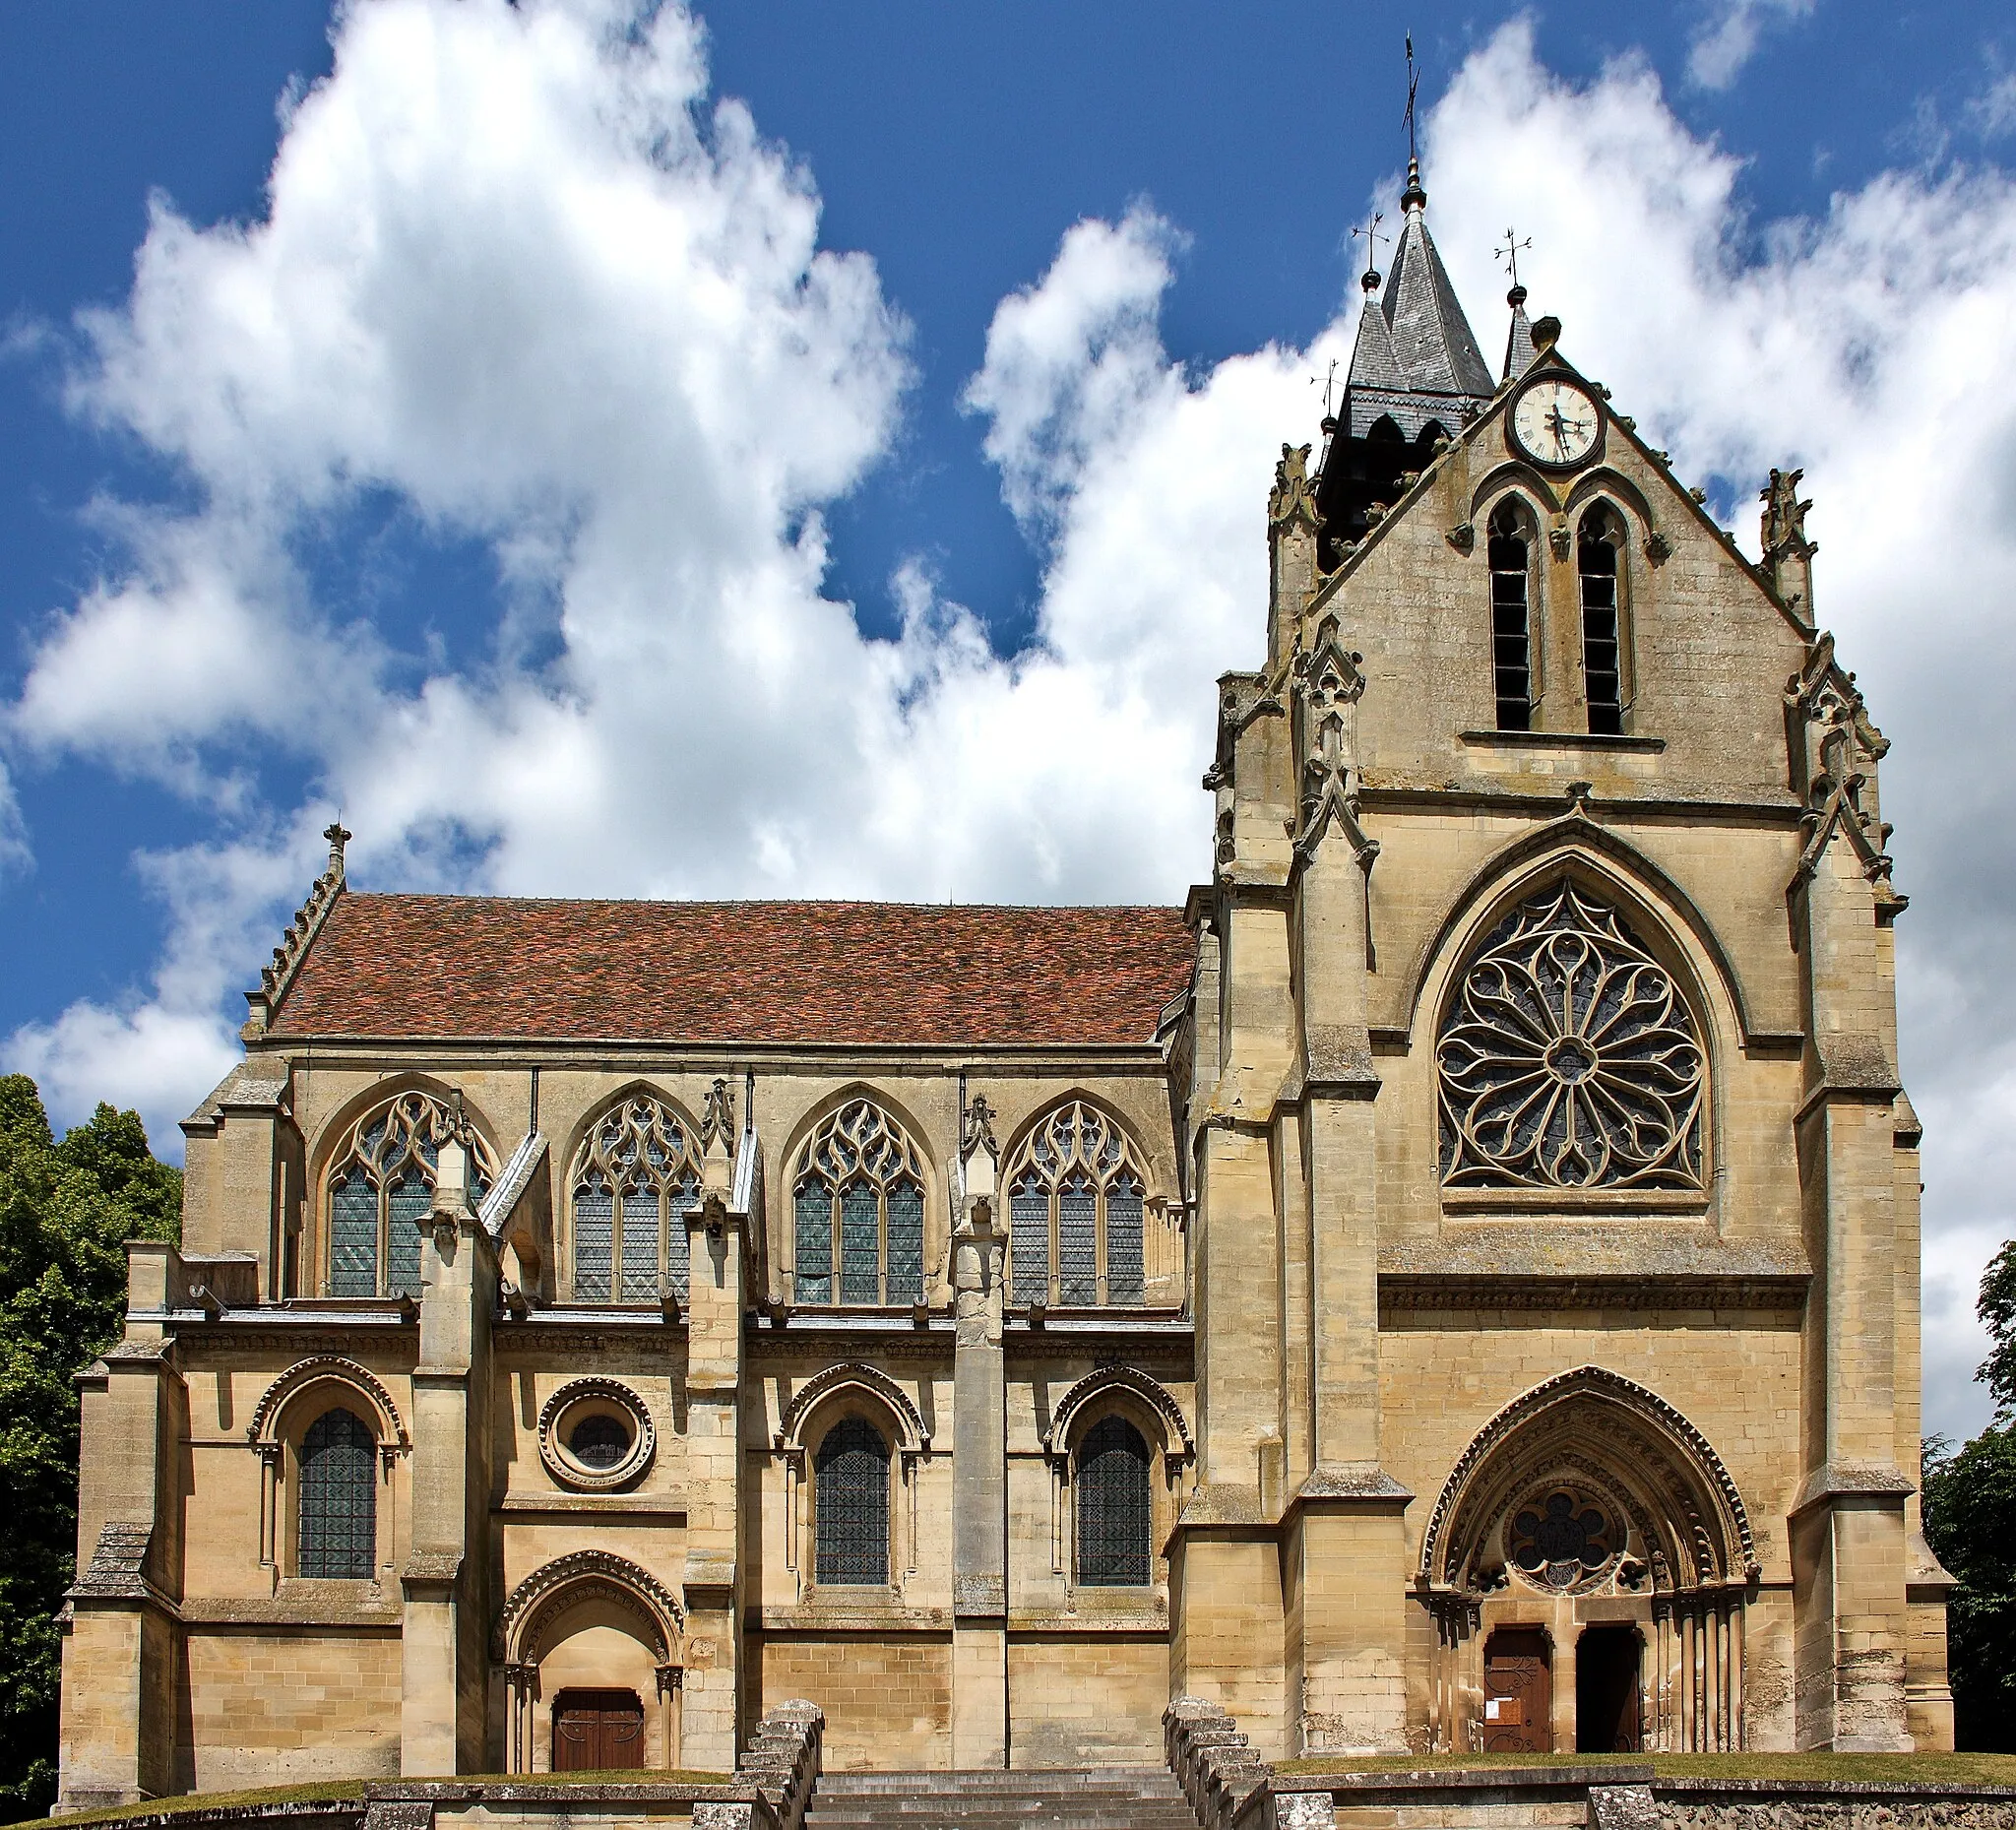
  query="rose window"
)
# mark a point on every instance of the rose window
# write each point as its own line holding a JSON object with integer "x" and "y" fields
{"x": 1562, "y": 1540}
{"x": 1569, "y": 1058}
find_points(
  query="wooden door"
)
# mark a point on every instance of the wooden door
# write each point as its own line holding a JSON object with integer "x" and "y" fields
{"x": 597, "y": 1729}
{"x": 1519, "y": 1692}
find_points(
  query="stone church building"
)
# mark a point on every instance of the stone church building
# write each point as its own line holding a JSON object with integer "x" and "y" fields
{"x": 1452, "y": 1285}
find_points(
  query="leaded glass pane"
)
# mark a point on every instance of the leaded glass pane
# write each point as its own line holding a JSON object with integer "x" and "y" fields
{"x": 678, "y": 1243}
{"x": 905, "y": 1244}
{"x": 640, "y": 1243}
{"x": 1113, "y": 1507}
{"x": 850, "y": 1496}
{"x": 860, "y": 1244}
{"x": 595, "y": 1238}
{"x": 410, "y": 1201}
{"x": 816, "y": 1242}
{"x": 339, "y": 1522}
{"x": 1124, "y": 1241}
{"x": 1078, "y": 1242}
{"x": 1029, "y": 1240}
{"x": 354, "y": 1237}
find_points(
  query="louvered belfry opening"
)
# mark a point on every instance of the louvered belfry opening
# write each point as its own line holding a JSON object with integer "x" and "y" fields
{"x": 1511, "y": 619}
{"x": 1596, "y": 558}
{"x": 850, "y": 1496}
{"x": 339, "y": 1498}
{"x": 1113, "y": 1507}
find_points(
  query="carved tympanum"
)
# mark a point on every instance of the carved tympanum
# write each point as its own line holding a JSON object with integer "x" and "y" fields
{"x": 1569, "y": 1058}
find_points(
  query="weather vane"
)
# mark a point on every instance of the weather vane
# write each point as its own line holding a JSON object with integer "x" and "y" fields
{"x": 1370, "y": 232}
{"x": 1413, "y": 82}
{"x": 1329, "y": 384}
{"x": 1509, "y": 253}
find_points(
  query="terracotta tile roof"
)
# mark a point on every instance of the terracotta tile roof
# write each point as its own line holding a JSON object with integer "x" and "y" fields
{"x": 776, "y": 973}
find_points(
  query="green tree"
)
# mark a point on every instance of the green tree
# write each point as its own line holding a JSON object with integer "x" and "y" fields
{"x": 66, "y": 1209}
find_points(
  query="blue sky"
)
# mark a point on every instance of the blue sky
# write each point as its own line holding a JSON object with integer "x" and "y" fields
{"x": 784, "y": 534}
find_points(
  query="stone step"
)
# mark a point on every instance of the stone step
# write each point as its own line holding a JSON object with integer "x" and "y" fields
{"x": 1142, "y": 1797}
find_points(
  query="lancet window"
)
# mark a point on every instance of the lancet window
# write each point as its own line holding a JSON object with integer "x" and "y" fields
{"x": 339, "y": 1498}
{"x": 859, "y": 1210}
{"x": 635, "y": 1178}
{"x": 381, "y": 1189}
{"x": 1076, "y": 1199}
{"x": 1569, "y": 1058}
{"x": 1509, "y": 551}
{"x": 1113, "y": 1507}
{"x": 850, "y": 1504}
{"x": 1598, "y": 548}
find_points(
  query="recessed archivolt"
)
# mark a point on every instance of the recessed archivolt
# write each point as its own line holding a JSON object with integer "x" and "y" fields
{"x": 557, "y": 1588}
{"x": 1521, "y": 479}
{"x": 1672, "y": 1485}
{"x": 1100, "y": 1383}
{"x": 913, "y": 1433}
{"x": 1575, "y": 845}
{"x": 1620, "y": 491}
{"x": 334, "y": 1369}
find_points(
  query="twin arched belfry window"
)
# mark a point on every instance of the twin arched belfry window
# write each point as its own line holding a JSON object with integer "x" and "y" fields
{"x": 1518, "y": 675}
{"x": 380, "y": 1189}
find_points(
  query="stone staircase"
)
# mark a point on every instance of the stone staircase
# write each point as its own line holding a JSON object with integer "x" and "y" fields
{"x": 1032, "y": 1798}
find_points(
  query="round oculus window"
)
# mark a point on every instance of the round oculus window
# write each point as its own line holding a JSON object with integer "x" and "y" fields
{"x": 596, "y": 1435}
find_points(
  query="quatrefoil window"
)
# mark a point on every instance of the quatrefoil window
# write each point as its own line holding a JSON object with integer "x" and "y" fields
{"x": 1569, "y": 1058}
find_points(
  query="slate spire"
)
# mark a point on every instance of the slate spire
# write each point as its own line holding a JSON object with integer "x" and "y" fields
{"x": 1519, "y": 349}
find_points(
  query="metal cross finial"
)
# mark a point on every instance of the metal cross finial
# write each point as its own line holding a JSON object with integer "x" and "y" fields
{"x": 1370, "y": 232}
{"x": 1509, "y": 253}
{"x": 1329, "y": 386}
{"x": 1413, "y": 82}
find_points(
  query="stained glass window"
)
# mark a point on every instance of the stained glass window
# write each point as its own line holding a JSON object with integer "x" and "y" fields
{"x": 600, "y": 1440}
{"x": 1113, "y": 1507}
{"x": 339, "y": 1498}
{"x": 862, "y": 1178}
{"x": 905, "y": 1244}
{"x": 860, "y": 1244}
{"x": 632, "y": 1246}
{"x": 816, "y": 1242}
{"x": 1029, "y": 1240}
{"x": 381, "y": 1188}
{"x": 1076, "y": 1206}
{"x": 850, "y": 1497}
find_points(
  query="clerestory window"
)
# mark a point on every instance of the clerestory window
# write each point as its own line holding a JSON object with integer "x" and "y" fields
{"x": 858, "y": 1212}
{"x": 1076, "y": 1204}
{"x": 380, "y": 1188}
{"x": 1509, "y": 551}
{"x": 1597, "y": 552}
{"x": 635, "y": 1179}
{"x": 850, "y": 1504}
{"x": 339, "y": 1498}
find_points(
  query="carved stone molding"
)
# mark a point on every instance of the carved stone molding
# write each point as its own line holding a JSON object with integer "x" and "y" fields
{"x": 567, "y": 1468}
{"x": 1114, "y": 1377}
{"x": 555, "y": 1587}
{"x": 910, "y": 1426}
{"x": 331, "y": 1366}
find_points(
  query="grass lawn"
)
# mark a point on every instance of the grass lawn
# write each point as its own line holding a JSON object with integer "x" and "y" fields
{"x": 1805, "y": 1769}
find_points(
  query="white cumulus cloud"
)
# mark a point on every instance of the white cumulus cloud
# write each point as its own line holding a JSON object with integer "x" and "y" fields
{"x": 1726, "y": 39}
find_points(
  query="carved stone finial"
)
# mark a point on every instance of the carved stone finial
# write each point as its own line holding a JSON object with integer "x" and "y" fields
{"x": 1785, "y": 515}
{"x": 977, "y": 1133}
{"x": 338, "y": 838}
{"x": 718, "y": 1115}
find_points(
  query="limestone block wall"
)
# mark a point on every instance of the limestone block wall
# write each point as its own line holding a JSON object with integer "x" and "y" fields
{"x": 1087, "y": 1699}
{"x": 887, "y": 1697}
{"x": 266, "y": 1708}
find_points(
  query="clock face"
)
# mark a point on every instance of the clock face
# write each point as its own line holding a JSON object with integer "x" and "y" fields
{"x": 1556, "y": 423}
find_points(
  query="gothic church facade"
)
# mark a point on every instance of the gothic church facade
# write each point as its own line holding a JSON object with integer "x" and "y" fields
{"x": 1451, "y": 1286}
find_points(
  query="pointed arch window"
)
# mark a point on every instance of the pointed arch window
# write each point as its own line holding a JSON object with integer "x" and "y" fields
{"x": 1112, "y": 1486}
{"x": 1509, "y": 550}
{"x": 339, "y": 1498}
{"x": 857, "y": 1204}
{"x": 1570, "y": 1057}
{"x": 380, "y": 1188}
{"x": 1076, "y": 1208}
{"x": 850, "y": 1504}
{"x": 1599, "y": 550}
{"x": 635, "y": 1178}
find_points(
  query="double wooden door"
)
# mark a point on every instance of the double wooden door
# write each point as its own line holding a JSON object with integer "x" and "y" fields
{"x": 597, "y": 1729}
{"x": 1519, "y": 1692}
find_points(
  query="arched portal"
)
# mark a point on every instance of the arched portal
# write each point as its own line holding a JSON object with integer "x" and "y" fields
{"x": 588, "y": 1650}
{"x": 1592, "y": 1501}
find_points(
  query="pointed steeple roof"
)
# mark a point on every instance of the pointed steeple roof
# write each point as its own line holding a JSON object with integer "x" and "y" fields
{"x": 1417, "y": 358}
{"x": 1518, "y": 351}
